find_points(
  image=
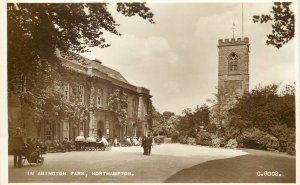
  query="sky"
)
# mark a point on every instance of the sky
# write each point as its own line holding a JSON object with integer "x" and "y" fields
{"x": 177, "y": 58}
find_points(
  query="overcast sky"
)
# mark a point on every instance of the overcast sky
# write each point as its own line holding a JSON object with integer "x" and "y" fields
{"x": 177, "y": 58}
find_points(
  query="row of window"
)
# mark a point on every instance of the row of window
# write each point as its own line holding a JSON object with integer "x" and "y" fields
{"x": 51, "y": 132}
{"x": 99, "y": 96}
{"x": 81, "y": 94}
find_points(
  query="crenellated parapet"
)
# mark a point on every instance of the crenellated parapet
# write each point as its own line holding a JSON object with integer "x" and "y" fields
{"x": 233, "y": 41}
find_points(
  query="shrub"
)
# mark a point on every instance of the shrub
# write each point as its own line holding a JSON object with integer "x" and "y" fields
{"x": 191, "y": 141}
{"x": 290, "y": 148}
{"x": 159, "y": 139}
{"x": 182, "y": 139}
{"x": 212, "y": 128}
{"x": 167, "y": 140}
{"x": 232, "y": 143}
{"x": 218, "y": 142}
{"x": 175, "y": 137}
{"x": 257, "y": 139}
{"x": 285, "y": 136}
{"x": 204, "y": 138}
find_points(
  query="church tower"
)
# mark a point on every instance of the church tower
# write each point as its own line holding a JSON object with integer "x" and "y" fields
{"x": 233, "y": 74}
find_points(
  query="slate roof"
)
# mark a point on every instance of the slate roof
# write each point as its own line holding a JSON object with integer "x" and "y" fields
{"x": 95, "y": 68}
{"x": 92, "y": 63}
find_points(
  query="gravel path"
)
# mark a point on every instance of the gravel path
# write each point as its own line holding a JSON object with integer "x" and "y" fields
{"x": 165, "y": 161}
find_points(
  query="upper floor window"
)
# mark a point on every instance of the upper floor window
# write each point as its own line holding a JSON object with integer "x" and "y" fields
{"x": 134, "y": 105}
{"x": 67, "y": 92}
{"x": 22, "y": 80}
{"x": 100, "y": 97}
{"x": 81, "y": 94}
{"x": 233, "y": 62}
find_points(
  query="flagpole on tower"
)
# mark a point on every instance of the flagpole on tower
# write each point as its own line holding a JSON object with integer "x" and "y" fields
{"x": 242, "y": 20}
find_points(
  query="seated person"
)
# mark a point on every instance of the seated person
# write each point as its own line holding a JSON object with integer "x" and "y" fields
{"x": 29, "y": 145}
{"x": 66, "y": 144}
{"x": 57, "y": 144}
{"x": 128, "y": 142}
{"x": 40, "y": 144}
{"x": 116, "y": 142}
{"x": 104, "y": 141}
{"x": 135, "y": 141}
{"x": 131, "y": 140}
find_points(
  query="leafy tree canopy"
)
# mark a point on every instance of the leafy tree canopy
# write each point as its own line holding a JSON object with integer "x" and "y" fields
{"x": 283, "y": 27}
{"x": 191, "y": 121}
{"x": 264, "y": 108}
{"x": 36, "y": 30}
{"x": 118, "y": 103}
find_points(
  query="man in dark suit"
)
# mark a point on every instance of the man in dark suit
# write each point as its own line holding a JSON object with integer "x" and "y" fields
{"x": 18, "y": 145}
{"x": 144, "y": 144}
{"x": 149, "y": 141}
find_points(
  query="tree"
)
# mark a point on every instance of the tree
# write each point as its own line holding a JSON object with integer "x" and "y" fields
{"x": 268, "y": 111}
{"x": 164, "y": 124}
{"x": 118, "y": 103}
{"x": 168, "y": 114}
{"x": 190, "y": 123}
{"x": 36, "y": 31}
{"x": 263, "y": 108}
{"x": 283, "y": 27}
{"x": 157, "y": 122}
{"x": 223, "y": 100}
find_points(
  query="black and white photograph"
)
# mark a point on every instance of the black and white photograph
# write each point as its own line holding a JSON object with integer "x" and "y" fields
{"x": 149, "y": 92}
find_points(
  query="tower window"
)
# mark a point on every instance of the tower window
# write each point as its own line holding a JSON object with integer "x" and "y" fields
{"x": 232, "y": 62}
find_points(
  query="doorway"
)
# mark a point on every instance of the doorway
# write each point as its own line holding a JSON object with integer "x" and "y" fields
{"x": 100, "y": 129}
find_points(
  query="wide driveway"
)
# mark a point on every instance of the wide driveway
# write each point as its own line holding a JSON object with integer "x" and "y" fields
{"x": 120, "y": 164}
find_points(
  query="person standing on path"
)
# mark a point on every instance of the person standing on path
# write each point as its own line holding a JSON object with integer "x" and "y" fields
{"x": 18, "y": 145}
{"x": 144, "y": 145}
{"x": 149, "y": 141}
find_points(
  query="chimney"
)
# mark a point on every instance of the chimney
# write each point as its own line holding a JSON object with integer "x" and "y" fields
{"x": 96, "y": 60}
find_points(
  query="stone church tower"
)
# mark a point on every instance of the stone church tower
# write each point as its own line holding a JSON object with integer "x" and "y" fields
{"x": 233, "y": 74}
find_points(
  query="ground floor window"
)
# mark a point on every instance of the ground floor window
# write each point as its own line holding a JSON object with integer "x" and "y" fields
{"x": 146, "y": 129}
{"x": 81, "y": 129}
{"x": 48, "y": 132}
{"x": 134, "y": 130}
{"x": 66, "y": 129}
{"x": 107, "y": 128}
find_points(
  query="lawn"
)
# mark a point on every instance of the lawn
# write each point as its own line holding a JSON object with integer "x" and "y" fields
{"x": 241, "y": 169}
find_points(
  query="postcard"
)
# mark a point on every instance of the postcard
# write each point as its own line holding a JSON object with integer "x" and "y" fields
{"x": 149, "y": 92}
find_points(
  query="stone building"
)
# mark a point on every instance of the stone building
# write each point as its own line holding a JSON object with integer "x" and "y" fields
{"x": 94, "y": 83}
{"x": 233, "y": 73}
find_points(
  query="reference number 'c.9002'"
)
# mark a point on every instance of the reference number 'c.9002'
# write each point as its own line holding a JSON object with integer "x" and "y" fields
{"x": 268, "y": 173}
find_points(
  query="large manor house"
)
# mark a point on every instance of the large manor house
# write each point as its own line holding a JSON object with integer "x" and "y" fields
{"x": 96, "y": 82}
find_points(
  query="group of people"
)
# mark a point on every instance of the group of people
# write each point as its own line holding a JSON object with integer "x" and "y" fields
{"x": 147, "y": 144}
{"x": 127, "y": 141}
{"x": 19, "y": 145}
{"x": 56, "y": 145}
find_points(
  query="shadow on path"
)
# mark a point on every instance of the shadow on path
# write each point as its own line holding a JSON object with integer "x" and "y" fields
{"x": 241, "y": 169}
